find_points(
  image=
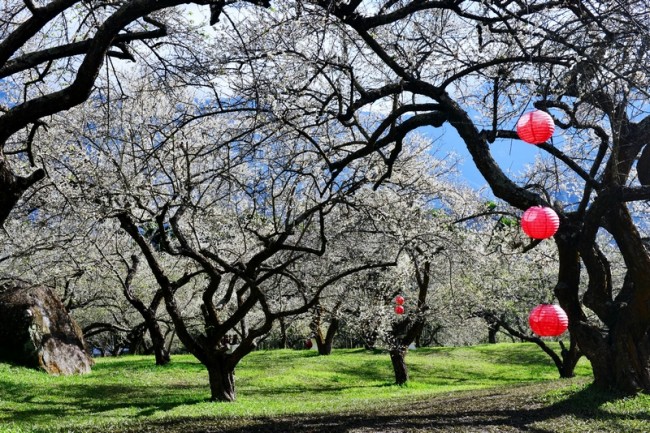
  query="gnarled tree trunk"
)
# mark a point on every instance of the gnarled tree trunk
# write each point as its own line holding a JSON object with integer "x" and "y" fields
{"x": 397, "y": 358}
{"x": 324, "y": 341}
{"x": 621, "y": 359}
{"x": 619, "y": 352}
{"x": 147, "y": 313}
{"x": 158, "y": 340}
{"x": 222, "y": 380}
{"x": 324, "y": 344}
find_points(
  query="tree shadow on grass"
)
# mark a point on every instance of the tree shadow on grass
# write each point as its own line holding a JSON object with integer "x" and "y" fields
{"x": 496, "y": 410}
{"x": 94, "y": 401}
{"x": 368, "y": 371}
{"x": 588, "y": 403}
{"x": 527, "y": 358}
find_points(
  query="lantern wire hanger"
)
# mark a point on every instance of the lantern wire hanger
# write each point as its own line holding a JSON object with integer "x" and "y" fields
{"x": 528, "y": 49}
{"x": 528, "y": 53}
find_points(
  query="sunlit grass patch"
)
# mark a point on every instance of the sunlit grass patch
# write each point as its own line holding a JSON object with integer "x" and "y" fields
{"x": 133, "y": 391}
{"x": 596, "y": 410}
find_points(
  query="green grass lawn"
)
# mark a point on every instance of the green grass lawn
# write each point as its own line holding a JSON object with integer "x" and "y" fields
{"x": 131, "y": 392}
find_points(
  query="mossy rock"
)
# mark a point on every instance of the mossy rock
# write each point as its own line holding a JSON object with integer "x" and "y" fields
{"x": 37, "y": 331}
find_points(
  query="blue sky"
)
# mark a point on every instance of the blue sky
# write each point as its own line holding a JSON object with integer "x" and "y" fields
{"x": 511, "y": 155}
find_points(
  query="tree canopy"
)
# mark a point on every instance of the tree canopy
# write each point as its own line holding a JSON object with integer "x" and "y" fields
{"x": 234, "y": 145}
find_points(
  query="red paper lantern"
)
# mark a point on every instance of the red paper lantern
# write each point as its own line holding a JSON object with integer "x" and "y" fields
{"x": 535, "y": 127}
{"x": 540, "y": 222}
{"x": 399, "y": 300}
{"x": 548, "y": 320}
{"x": 399, "y": 309}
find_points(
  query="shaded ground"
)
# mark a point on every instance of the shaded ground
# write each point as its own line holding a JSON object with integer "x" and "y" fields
{"x": 512, "y": 409}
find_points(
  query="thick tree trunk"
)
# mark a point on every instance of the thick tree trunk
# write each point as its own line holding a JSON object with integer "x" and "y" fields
{"x": 135, "y": 340}
{"x": 324, "y": 344}
{"x": 493, "y": 330}
{"x": 325, "y": 348}
{"x": 222, "y": 382}
{"x": 158, "y": 341}
{"x": 619, "y": 353}
{"x": 397, "y": 358}
{"x": 621, "y": 366}
{"x": 629, "y": 339}
{"x": 621, "y": 362}
{"x": 631, "y": 359}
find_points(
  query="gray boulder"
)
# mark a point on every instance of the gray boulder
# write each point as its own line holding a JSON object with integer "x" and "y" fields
{"x": 37, "y": 331}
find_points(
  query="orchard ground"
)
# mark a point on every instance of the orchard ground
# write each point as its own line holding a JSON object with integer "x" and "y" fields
{"x": 490, "y": 388}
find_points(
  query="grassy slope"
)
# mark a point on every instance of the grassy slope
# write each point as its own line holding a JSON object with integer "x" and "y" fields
{"x": 131, "y": 392}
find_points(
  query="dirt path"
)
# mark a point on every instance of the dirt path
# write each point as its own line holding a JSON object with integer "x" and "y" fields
{"x": 512, "y": 409}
